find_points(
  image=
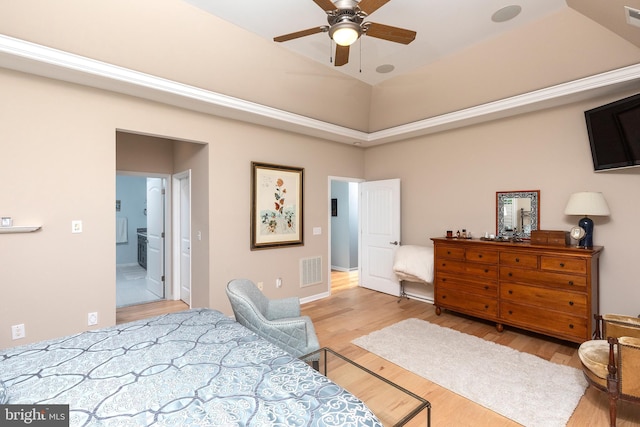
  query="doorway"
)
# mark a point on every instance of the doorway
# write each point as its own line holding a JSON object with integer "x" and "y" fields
{"x": 374, "y": 231}
{"x": 141, "y": 203}
{"x": 344, "y": 229}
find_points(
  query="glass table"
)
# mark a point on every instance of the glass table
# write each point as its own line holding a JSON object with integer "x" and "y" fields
{"x": 392, "y": 404}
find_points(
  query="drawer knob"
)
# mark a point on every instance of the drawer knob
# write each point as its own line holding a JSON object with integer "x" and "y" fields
{"x": 444, "y": 297}
{"x": 570, "y": 326}
{"x": 486, "y": 270}
{"x": 448, "y": 252}
{"x": 570, "y": 282}
{"x": 571, "y": 303}
{"x": 510, "y": 274}
{"x": 510, "y": 312}
{"x": 517, "y": 259}
{"x": 486, "y": 288}
{"x": 562, "y": 264}
{"x": 510, "y": 292}
{"x": 444, "y": 280}
{"x": 480, "y": 256}
{"x": 486, "y": 307}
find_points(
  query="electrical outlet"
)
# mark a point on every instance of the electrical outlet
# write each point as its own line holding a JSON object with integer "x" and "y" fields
{"x": 92, "y": 319}
{"x": 18, "y": 331}
{"x": 260, "y": 285}
{"x": 279, "y": 282}
{"x": 76, "y": 226}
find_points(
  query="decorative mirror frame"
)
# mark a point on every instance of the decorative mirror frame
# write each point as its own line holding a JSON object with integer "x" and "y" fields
{"x": 502, "y": 196}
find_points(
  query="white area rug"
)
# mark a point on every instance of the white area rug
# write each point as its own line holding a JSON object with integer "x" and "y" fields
{"x": 525, "y": 388}
{"x": 133, "y": 272}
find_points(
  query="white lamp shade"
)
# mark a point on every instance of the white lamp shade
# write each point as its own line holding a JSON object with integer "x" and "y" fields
{"x": 345, "y": 33}
{"x": 587, "y": 203}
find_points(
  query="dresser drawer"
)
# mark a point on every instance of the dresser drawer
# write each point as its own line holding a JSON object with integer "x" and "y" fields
{"x": 486, "y": 307}
{"x": 477, "y": 287}
{"x": 573, "y": 328}
{"x": 569, "y": 265}
{"x": 449, "y": 252}
{"x": 480, "y": 255}
{"x": 553, "y": 299}
{"x": 556, "y": 280}
{"x": 519, "y": 259}
{"x": 480, "y": 271}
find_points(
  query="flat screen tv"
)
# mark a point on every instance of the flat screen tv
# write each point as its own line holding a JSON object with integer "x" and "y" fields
{"x": 614, "y": 134}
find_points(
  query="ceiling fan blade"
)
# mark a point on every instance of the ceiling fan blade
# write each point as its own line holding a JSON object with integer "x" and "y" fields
{"x": 387, "y": 32}
{"x": 299, "y": 34}
{"x": 370, "y": 6}
{"x": 326, "y": 5}
{"x": 342, "y": 55}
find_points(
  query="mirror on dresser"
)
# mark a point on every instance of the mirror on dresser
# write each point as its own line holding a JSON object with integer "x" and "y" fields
{"x": 517, "y": 213}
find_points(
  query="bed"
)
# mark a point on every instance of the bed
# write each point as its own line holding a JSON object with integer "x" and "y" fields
{"x": 196, "y": 367}
{"x": 414, "y": 264}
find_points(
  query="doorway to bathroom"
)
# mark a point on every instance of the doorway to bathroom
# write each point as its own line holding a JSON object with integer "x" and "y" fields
{"x": 140, "y": 238}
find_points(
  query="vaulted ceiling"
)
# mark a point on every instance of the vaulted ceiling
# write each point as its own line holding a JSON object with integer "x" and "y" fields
{"x": 443, "y": 28}
{"x": 463, "y": 69}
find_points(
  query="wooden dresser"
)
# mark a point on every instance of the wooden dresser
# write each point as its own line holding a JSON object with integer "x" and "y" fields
{"x": 552, "y": 290}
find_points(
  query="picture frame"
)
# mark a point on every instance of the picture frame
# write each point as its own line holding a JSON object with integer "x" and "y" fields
{"x": 277, "y": 206}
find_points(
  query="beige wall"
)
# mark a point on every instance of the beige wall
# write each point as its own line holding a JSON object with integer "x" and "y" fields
{"x": 561, "y": 48}
{"x": 58, "y": 164}
{"x": 449, "y": 181}
{"x": 151, "y": 36}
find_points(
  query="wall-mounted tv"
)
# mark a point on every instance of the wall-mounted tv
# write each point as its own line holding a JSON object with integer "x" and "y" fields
{"x": 614, "y": 134}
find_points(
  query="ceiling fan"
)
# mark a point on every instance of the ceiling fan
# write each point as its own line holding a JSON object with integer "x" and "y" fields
{"x": 346, "y": 25}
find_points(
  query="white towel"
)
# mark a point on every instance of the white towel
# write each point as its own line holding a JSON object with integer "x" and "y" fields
{"x": 414, "y": 262}
{"x": 121, "y": 230}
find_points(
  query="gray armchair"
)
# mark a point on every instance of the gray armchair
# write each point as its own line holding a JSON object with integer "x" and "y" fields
{"x": 278, "y": 321}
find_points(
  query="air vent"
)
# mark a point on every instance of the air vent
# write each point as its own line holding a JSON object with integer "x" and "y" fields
{"x": 310, "y": 271}
{"x": 633, "y": 16}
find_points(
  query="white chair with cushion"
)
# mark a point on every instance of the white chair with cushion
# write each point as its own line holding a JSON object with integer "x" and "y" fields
{"x": 612, "y": 364}
{"x": 278, "y": 321}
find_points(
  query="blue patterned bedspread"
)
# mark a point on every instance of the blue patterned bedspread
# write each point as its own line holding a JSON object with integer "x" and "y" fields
{"x": 193, "y": 368}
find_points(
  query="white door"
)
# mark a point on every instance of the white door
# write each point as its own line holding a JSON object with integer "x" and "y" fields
{"x": 155, "y": 236}
{"x": 380, "y": 234}
{"x": 185, "y": 240}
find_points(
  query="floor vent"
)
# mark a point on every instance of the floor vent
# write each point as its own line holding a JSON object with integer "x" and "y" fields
{"x": 310, "y": 271}
{"x": 633, "y": 16}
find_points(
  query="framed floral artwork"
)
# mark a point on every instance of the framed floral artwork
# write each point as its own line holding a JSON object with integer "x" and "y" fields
{"x": 276, "y": 206}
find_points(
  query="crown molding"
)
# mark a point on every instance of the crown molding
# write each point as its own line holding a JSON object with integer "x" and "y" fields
{"x": 27, "y": 57}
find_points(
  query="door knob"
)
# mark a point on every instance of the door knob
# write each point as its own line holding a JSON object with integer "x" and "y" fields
{"x": 395, "y": 242}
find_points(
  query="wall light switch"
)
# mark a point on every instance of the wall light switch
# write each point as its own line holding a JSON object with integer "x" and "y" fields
{"x": 76, "y": 226}
{"x": 317, "y": 231}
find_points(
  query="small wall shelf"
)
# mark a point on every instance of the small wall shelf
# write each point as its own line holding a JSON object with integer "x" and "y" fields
{"x": 20, "y": 229}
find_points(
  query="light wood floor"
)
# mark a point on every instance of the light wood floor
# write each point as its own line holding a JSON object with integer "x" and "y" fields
{"x": 147, "y": 310}
{"x": 352, "y": 311}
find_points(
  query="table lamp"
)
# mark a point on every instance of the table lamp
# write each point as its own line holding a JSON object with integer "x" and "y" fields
{"x": 587, "y": 203}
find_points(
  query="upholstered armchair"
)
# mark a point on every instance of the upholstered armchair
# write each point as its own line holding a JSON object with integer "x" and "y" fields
{"x": 612, "y": 364}
{"x": 278, "y": 321}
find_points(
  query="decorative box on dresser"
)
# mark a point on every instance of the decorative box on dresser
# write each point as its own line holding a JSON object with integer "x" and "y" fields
{"x": 548, "y": 289}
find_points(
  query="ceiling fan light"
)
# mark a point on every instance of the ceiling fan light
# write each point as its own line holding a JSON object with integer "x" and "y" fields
{"x": 345, "y": 33}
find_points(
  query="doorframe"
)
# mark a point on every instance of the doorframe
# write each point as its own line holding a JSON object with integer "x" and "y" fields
{"x": 168, "y": 243}
{"x": 342, "y": 179}
{"x": 176, "y": 238}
